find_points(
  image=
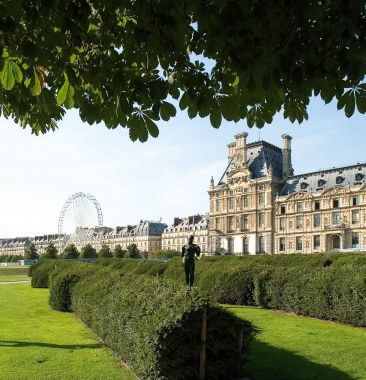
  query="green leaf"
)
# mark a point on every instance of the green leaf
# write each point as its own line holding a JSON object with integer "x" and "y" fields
{"x": 215, "y": 117}
{"x": 66, "y": 95}
{"x": 35, "y": 84}
{"x": 27, "y": 82}
{"x": 185, "y": 101}
{"x": 350, "y": 105}
{"x": 7, "y": 76}
{"x": 152, "y": 127}
{"x": 361, "y": 101}
{"x": 167, "y": 110}
{"x": 17, "y": 71}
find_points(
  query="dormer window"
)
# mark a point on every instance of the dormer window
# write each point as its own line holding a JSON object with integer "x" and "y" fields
{"x": 339, "y": 180}
{"x": 359, "y": 177}
{"x": 303, "y": 185}
{"x": 321, "y": 183}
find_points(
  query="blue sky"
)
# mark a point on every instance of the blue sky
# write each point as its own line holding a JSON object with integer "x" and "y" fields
{"x": 163, "y": 178}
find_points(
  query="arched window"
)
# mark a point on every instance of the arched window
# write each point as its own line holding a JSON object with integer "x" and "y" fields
{"x": 245, "y": 245}
{"x": 230, "y": 246}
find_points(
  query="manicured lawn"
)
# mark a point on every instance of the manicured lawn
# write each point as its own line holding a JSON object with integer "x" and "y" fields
{"x": 16, "y": 270}
{"x": 14, "y": 277}
{"x": 39, "y": 343}
{"x": 289, "y": 347}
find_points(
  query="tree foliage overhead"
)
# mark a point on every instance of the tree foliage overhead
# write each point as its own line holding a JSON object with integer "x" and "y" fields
{"x": 123, "y": 63}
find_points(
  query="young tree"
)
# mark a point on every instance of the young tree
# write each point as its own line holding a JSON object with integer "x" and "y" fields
{"x": 71, "y": 252}
{"x": 105, "y": 251}
{"x": 132, "y": 251}
{"x": 31, "y": 253}
{"x": 50, "y": 252}
{"x": 119, "y": 252}
{"x": 88, "y": 252}
{"x": 259, "y": 59}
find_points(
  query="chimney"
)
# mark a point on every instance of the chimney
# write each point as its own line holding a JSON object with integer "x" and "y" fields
{"x": 287, "y": 169}
{"x": 241, "y": 148}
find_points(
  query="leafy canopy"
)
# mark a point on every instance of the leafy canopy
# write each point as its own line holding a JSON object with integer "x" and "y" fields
{"x": 124, "y": 63}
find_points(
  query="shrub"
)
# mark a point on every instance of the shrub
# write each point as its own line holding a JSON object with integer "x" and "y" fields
{"x": 149, "y": 267}
{"x": 324, "y": 286}
{"x": 155, "y": 326}
{"x": 62, "y": 280}
{"x": 41, "y": 271}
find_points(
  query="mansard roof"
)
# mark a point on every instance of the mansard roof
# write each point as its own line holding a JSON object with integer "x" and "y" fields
{"x": 325, "y": 179}
{"x": 189, "y": 223}
{"x": 261, "y": 156}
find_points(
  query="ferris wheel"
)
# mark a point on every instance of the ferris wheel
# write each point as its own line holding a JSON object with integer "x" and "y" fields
{"x": 80, "y": 213}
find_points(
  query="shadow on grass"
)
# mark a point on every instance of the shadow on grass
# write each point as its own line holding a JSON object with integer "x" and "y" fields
{"x": 265, "y": 362}
{"x": 15, "y": 343}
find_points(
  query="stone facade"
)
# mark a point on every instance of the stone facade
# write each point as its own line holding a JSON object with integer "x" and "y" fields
{"x": 260, "y": 206}
{"x": 146, "y": 235}
{"x": 176, "y": 235}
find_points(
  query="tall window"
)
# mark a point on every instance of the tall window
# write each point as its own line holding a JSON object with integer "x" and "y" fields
{"x": 261, "y": 199}
{"x": 218, "y": 205}
{"x": 355, "y": 216}
{"x": 261, "y": 219}
{"x": 298, "y": 243}
{"x": 261, "y": 244}
{"x": 299, "y": 221}
{"x": 282, "y": 223}
{"x": 283, "y": 209}
{"x": 245, "y": 220}
{"x": 317, "y": 205}
{"x": 355, "y": 240}
{"x": 230, "y": 223}
{"x": 299, "y": 206}
{"x": 356, "y": 200}
{"x": 230, "y": 245}
{"x": 316, "y": 240}
{"x": 282, "y": 244}
{"x": 218, "y": 223}
{"x": 316, "y": 220}
{"x": 245, "y": 201}
{"x": 336, "y": 218}
{"x": 245, "y": 245}
{"x": 335, "y": 203}
{"x": 231, "y": 203}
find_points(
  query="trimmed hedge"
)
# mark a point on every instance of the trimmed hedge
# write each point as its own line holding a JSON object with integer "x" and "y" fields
{"x": 62, "y": 280}
{"x": 155, "y": 326}
{"x": 41, "y": 271}
{"x": 323, "y": 286}
{"x": 135, "y": 266}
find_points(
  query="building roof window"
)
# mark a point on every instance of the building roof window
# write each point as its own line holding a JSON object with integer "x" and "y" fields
{"x": 303, "y": 185}
{"x": 339, "y": 180}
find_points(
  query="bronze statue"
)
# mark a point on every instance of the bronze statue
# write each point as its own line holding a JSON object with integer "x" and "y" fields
{"x": 190, "y": 252}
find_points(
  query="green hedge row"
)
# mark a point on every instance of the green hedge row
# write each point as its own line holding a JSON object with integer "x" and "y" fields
{"x": 152, "y": 323}
{"x": 41, "y": 271}
{"x": 137, "y": 267}
{"x": 323, "y": 286}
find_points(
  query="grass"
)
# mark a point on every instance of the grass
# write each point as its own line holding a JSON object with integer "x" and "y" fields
{"x": 39, "y": 343}
{"x": 289, "y": 347}
{"x": 15, "y": 270}
{"x": 12, "y": 278}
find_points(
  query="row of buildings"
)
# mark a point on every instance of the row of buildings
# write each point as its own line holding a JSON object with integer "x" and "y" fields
{"x": 257, "y": 206}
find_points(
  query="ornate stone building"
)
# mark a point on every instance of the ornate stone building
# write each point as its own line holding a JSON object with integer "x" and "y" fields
{"x": 260, "y": 206}
{"x": 176, "y": 235}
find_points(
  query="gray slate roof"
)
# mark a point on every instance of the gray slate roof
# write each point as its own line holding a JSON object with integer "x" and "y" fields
{"x": 325, "y": 179}
{"x": 261, "y": 155}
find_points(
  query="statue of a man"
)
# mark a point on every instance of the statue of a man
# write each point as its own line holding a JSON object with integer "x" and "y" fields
{"x": 190, "y": 252}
